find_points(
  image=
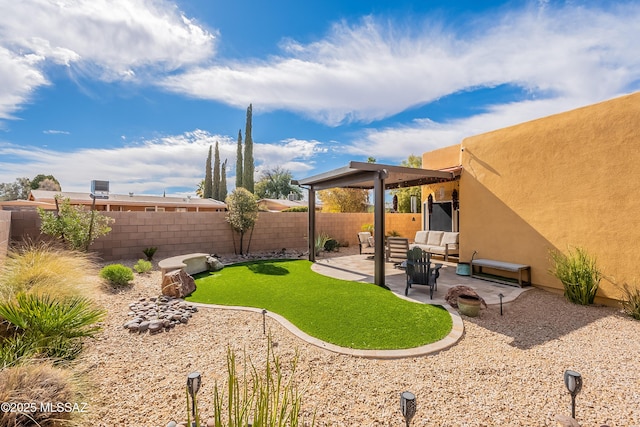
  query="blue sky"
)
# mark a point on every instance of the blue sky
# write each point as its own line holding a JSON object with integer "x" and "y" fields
{"x": 134, "y": 92}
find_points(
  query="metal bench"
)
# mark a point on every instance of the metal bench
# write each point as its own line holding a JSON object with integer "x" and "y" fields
{"x": 190, "y": 263}
{"x": 501, "y": 266}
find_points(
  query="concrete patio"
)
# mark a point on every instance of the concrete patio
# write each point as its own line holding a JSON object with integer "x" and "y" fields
{"x": 360, "y": 268}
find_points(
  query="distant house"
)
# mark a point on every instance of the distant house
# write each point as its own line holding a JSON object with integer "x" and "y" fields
{"x": 278, "y": 205}
{"x": 125, "y": 203}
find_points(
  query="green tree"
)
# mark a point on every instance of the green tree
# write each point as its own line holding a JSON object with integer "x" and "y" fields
{"x": 242, "y": 214}
{"x": 200, "y": 189}
{"x": 249, "y": 167}
{"x": 45, "y": 182}
{"x": 15, "y": 190}
{"x": 371, "y": 159}
{"x": 223, "y": 181}
{"x": 72, "y": 224}
{"x": 208, "y": 180}
{"x": 404, "y": 194}
{"x": 216, "y": 174}
{"x": 344, "y": 200}
{"x": 239, "y": 173}
{"x": 276, "y": 184}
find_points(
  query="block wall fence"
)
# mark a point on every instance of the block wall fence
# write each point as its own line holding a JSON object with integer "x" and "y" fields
{"x": 5, "y": 232}
{"x": 175, "y": 233}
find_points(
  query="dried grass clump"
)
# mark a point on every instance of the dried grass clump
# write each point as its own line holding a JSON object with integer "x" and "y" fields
{"x": 41, "y": 267}
{"x": 32, "y": 384}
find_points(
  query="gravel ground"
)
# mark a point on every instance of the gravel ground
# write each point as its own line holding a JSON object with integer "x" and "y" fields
{"x": 505, "y": 371}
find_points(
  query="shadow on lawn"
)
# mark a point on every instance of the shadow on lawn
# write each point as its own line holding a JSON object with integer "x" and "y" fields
{"x": 268, "y": 268}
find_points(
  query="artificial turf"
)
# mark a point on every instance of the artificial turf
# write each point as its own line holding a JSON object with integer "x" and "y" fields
{"x": 349, "y": 314}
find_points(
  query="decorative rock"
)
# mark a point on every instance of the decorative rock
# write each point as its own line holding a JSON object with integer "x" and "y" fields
{"x": 214, "y": 264}
{"x": 566, "y": 421}
{"x": 172, "y": 424}
{"x": 155, "y": 328}
{"x": 159, "y": 313}
{"x": 177, "y": 284}
{"x": 143, "y": 326}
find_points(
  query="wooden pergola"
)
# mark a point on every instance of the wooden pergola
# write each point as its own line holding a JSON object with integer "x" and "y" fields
{"x": 369, "y": 176}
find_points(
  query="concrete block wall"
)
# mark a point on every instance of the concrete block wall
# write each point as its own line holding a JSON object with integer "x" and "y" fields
{"x": 5, "y": 232}
{"x": 175, "y": 233}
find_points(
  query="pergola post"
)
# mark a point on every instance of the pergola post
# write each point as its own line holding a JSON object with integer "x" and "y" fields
{"x": 378, "y": 227}
{"x": 312, "y": 224}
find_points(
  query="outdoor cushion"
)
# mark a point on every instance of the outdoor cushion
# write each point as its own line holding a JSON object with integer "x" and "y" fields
{"x": 435, "y": 237}
{"x": 421, "y": 237}
{"x": 364, "y": 237}
{"x": 450, "y": 237}
{"x": 371, "y": 242}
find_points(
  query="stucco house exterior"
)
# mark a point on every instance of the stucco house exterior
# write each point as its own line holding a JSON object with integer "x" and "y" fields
{"x": 564, "y": 181}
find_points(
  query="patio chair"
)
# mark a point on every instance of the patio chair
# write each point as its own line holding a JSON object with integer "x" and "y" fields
{"x": 420, "y": 272}
{"x": 397, "y": 248}
{"x": 365, "y": 240}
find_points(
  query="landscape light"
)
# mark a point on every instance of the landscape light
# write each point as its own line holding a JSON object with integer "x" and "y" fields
{"x": 408, "y": 406}
{"x": 194, "y": 380}
{"x": 573, "y": 381}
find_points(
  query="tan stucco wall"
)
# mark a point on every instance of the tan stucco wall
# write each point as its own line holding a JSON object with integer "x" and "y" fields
{"x": 442, "y": 158}
{"x": 562, "y": 181}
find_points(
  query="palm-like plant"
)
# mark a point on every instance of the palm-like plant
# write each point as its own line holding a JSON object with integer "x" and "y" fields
{"x": 53, "y": 328}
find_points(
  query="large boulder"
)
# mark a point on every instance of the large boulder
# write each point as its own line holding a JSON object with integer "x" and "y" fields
{"x": 178, "y": 284}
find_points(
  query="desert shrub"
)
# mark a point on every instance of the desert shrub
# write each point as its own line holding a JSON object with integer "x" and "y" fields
{"x": 393, "y": 233}
{"x": 15, "y": 350}
{"x": 321, "y": 240}
{"x": 331, "y": 245}
{"x": 74, "y": 225}
{"x": 367, "y": 227}
{"x": 117, "y": 274}
{"x": 149, "y": 252}
{"x": 51, "y": 327}
{"x": 46, "y": 268}
{"x": 265, "y": 398}
{"x": 579, "y": 275}
{"x": 143, "y": 266}
{"x": 631, "y": 301}
{"x": 36, "y": 384}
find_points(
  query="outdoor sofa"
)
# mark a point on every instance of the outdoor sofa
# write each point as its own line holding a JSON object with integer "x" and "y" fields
{"x": 443, "y": 243}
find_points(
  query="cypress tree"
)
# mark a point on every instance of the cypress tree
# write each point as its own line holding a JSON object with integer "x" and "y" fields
{"x": 216, "y": 174}
{"x": 223, "y": 181}
{"x": 239, "y": 160}
{"x": 207, "y": 193}
{"x": 249, "y": 167}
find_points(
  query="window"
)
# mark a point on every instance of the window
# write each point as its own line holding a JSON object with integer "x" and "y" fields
{"x": 181, "y": 209}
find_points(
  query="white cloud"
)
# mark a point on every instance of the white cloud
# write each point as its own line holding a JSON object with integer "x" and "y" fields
{"x": 150, "y": 166}
{"x": 106, "y": 39}
{"x": 56, "y": 132}
{"x": 377, "y": 69}
{"x": 425, "y": 135}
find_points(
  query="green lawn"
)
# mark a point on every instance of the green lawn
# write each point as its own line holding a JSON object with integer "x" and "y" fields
{"x": 348, "y": 314}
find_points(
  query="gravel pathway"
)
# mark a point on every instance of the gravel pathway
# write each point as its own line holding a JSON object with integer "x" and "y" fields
{"x": 505, "y": 371}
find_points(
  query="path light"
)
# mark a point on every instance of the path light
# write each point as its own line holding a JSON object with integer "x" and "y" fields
{"x": 408, "y": 406}
{"x": 194, "y": 380}
{"x": 264, "y": 321}
{"x": 501, "y": 296}
{"x": 573, "y": 381}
